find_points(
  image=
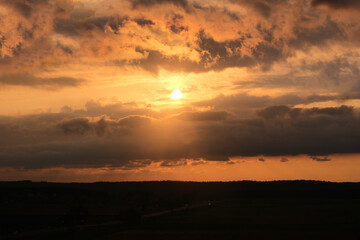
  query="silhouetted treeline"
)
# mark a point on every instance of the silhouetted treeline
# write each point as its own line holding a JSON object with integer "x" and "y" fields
{"x": 163, "y": 191}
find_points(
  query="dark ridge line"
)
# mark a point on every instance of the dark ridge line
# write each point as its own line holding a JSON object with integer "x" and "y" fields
{"x": 179, "y": 181}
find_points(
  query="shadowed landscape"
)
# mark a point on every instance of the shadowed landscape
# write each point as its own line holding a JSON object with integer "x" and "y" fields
{"x": 179, "y": 119}
{"x": 180, "y": 210}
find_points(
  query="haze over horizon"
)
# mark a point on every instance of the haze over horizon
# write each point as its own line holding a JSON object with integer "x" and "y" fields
{"x": 122, "y": 90}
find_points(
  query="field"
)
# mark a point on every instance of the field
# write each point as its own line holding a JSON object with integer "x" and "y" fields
{"x": 177, "y": 210}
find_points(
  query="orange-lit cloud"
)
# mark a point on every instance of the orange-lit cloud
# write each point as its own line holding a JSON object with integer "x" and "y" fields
{"x": 86, "y": 84}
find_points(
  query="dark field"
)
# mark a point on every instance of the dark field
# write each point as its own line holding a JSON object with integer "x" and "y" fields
{"x": 180, "y": 210}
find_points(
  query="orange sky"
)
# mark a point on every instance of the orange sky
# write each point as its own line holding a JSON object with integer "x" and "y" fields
{"x": 85, "y": 90}
{"x": 341, "y": 168}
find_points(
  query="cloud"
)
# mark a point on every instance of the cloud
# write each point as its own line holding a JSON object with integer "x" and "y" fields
{"x": 144, "y": 22}
{"x": 284, "y": 160}
{"x": 204, "y": 116}
{"x": 176, "y": 24}
{"x": 261, "y": 7}
{"x": 153, "y": 61}
{"x": 338, "y": 74}
{"x": 214, "y": 56}
{"x": 114, "y": 111}
{"x": 284, "y": 111}
{"x": 21, "y": 28}
{"x": 237, "y": 52}
{"x": 317, "y": 35}
{"x": 320, "y": 159}
{"x": 175, "y": 163}
{"x": 23, "y": 7}
{"x": 25, "y": 79}
{"x": 134, "y": 122}
{"x": 75, "y": 31}
{"x": 68, "y": 140}
{"x": 295, "y": 53}
{"x": 278, "y": 111}
{"x": 74, "y": 28}
{"x": 66, "y": 109}
{"x": 338, "y": 4}
{"x": 244, "y": 103}
{"x": 150, "y": 3}
{"x": 75, "y": 126}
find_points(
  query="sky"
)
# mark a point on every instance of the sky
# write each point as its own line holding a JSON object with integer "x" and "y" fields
{"x": 264, "y": 90}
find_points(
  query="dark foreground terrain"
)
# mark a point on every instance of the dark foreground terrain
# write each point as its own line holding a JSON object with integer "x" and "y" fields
{"x": 180, "y": 210}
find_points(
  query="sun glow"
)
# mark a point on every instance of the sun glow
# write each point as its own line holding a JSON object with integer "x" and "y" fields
{"x": 176, "y": 94}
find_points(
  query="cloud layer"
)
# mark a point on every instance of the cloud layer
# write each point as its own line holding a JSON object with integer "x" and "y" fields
{"x": 183, "y": 37}
{"x": 260, "y": 78}
{"x": 74, "y": 140}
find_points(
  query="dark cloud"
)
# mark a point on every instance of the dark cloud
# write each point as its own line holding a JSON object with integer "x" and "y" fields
{"x": 284, "y": 160}
{"x": 232, "y": 15}
{"x": 73, "y": 27}
{"x": 262, "y": 7}
{"x": 284, "y": 111}
{"x": 337, "y": 75}
{"x": 197, "y": 162}
{"x": 261, "y": 159}
{"x": 155, "y": 60}
{"x": 215, "y": 56}
{"x": 338, "y": 4}
{"x": 144, "y": 22}
{"x": 114, "y": 111}
{"x": 320, "y": 159}
{"x": 134, "y": 121}
{"x": 178, "y": 29}
{"x": 238, "y": 101}
{"x": 66, "y": 27}
{"x": 266, "y": 54}
{"x": 25, "y": 79}
{"x": 331, "y": 111}
{"x": 211, "y": 49}
{"x": 2, "y": 41}
{"x": 175, "y": 163}
{"x": 312, "y": 130}
{"x": 83, "y": 25}
{"x": 219, "y": 55}
{"x": 336, "y": 71}
{"x": 53, "y": 140}
{"x": 66, "y": 109}
{"x": 22, "y": 7}
{"x": 279, "y": 111}
{"x": 133, "y": 164}
{"x": 76, "y": 126}
{"x": 241, "y": 102}
{"x": 176, "y": 24}
{"x": 100, "y": 127}
{"x": 25, "y": 7}
{"x": 316, "y": 36}
{"x": 204, "y": 116}
{"x": 21, "y": 29}
{"x": 149, "y": 3}
{"x": 81, "y": 126}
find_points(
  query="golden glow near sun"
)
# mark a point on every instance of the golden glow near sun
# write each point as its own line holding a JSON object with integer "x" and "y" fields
{"x": 176, "y": 94}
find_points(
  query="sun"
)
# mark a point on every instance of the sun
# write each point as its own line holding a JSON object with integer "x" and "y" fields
{"x": 176, "y": 94}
